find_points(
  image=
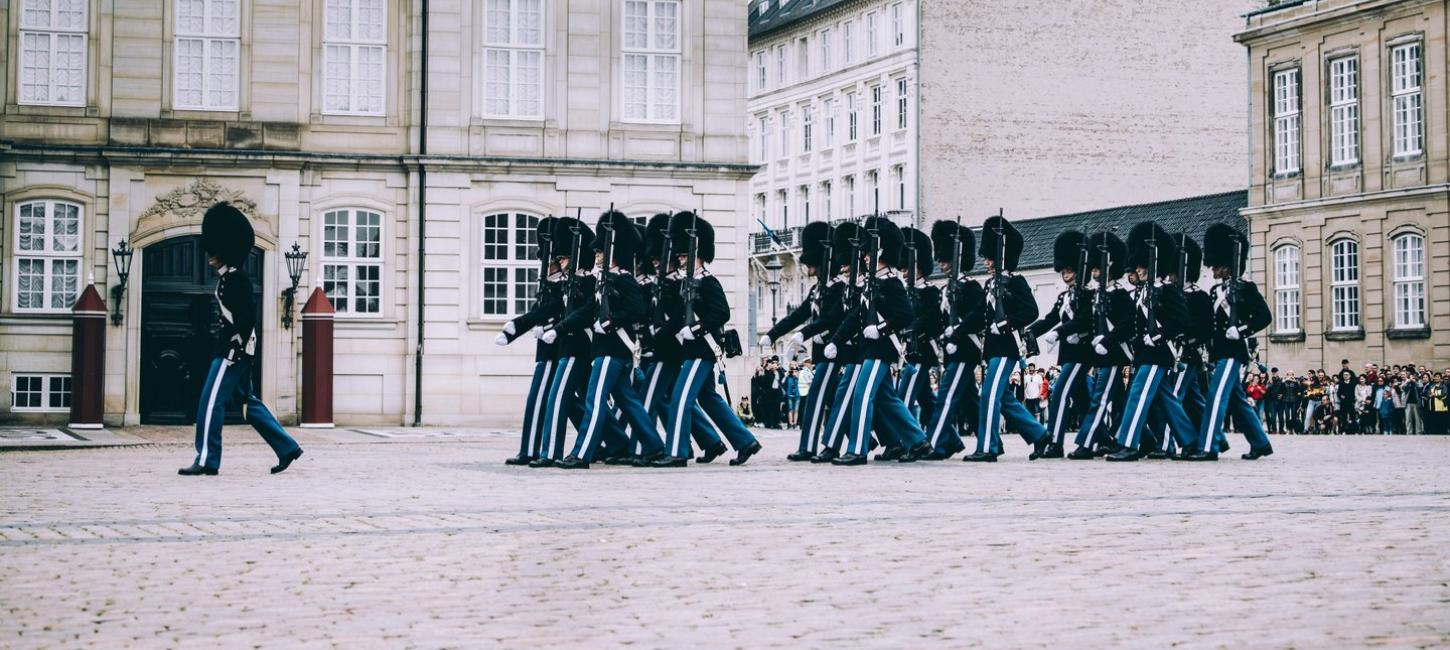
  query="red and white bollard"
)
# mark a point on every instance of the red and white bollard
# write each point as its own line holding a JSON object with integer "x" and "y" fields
{"x": 317, "y": 320}
{"x": 88, "y": 360}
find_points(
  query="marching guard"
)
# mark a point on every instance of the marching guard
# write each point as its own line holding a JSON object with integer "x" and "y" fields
{"x": 569, "y": 247}
{"x": 1010, "y": 308}
{"x": 1068, "y": 324}
{"x": 1239, "y": 311}
{"x": 547, "y": 310}
{"x": 954, "y": 248}
{"x": 842, "y": 350}
{"x": 1110, "y": 311}
{"x": 1159, "y": 315}
{"x": 922, "y": 351}
{"x": 1188, "y": 378}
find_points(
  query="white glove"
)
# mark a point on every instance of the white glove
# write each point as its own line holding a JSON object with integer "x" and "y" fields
{"x": 1050, "y": 338}
{"x": 871, "y": 332}
{"x": 1098, "y": 346}
{"x": 687, "y": 334}
{"x": 508, "y": 328}
{"x": 549, "y": 336}
{"x": 538, "y": 332}
{"x": 764, "y": 340}
{"x": 1074, "y": 339}
{"x": 996, "y": 328}
{"x": 818, "y": 339}
{"x": 599, "y": 327}
{"x": 949, "y": 331}
{"x": 951, "y": 348}
{"x": 501, "y": 339}
{"x": 1232, "y": 334}
{"x": 830, "y": 351}
{"x": 797, "y": 340}
{"x": 1148, "y": 340}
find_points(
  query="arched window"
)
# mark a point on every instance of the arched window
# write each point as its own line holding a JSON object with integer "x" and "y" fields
{"x": 509, "y": 277}
{"x": 47, "y": 255}
{"x": 1344, "y": 284}
{"x": 1409, "y": 278}
{"x": 352, "y": 260}
{"x": 1286, "y": 290}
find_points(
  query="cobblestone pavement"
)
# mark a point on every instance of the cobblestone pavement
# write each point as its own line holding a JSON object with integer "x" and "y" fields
{"x": 1332, "y": 542}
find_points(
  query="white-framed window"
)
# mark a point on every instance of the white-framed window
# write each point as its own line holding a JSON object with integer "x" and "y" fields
{"x": 651, "y": 55}
{"x": 352, "y": 260}
{"x": 826, "y": 199}
{"x": 760, "y": 212}
{"x": 803, "y": 59}
{"x": 850, "y": 117}
{"x": 207, "y": 55}
{"x": 1409, "y": 278}
{"x": 873, "y": 35}
{"x": 785, "y": 134}
{"x": 1406, "y": 76}
{"x": 876, "y": 110}
{"x": 53, "y": 51}
{"x": 898, "y": 175}
{"x": 1344, "y": 284}
{"x": 509, "y": 277}
{"x": 898, "y": 24}
{"x": 1344, "y": 110}
{"x": 807, "y": 124}
{"x": 849, "y": 182}
{"x": 513, "y": 59}
{"x": 355, "y": 43}
{"x": 825, "y": 39}
{"x": 760, "y": 71}
{"x": 1286, "y": 121}
{"x": 780, "y": 65}
{"x": 828, "y": 132}
{"x": 873, "y": 184}
{"x": 762, "y": 146}
{"x": 40, "y": 392}
{"x": 47, "y": 255}
{"x": 804, "y": 192}
{"x": 782, "y": 199}
{"x": 901, "y": 113}
{"x": 848, "y": 42}
{"x": 1286, "y": 289}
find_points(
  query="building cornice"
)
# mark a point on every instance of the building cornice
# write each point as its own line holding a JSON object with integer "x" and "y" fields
{"x": 903, "y": 59}
{"x": 1442, "y": 189}
{"x": 1350, "y": 11}
{"x": 806, "y": 24}
{"x": 298, "y": 159}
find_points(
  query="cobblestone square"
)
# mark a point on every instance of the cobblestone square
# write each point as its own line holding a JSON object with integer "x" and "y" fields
{"x": 433, "y": 542}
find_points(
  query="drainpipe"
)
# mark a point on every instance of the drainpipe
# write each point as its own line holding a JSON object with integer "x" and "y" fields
{"x": 422, "y": 213}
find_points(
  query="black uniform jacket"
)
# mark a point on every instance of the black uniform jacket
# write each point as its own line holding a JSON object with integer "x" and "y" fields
{"x": 1117, "y": 327}
{"x": 828, "y": 321}
{"x": 889, "y": 310}
{"x": 712, "y": 312}
{"x": 1019, "y": 309}
{"x": 1199, "y": 329}
{"x": 804, "y": 313}
{"x": 1253, "y": 316}
{"x": 237, "y": 314}
{"x": 626, "y": 308}
{"x": 574, "y": 334}
{"x": 971, "y": 303}
{"x": 547, "y": 311}
{"x": 1070, "y": 316}
{"x": 926, "y": 325}
{"x": 1170, "y": 312}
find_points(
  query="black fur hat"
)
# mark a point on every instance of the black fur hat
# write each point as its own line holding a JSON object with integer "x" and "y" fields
{"x": 572, "y": 239}
{"x": 1141, "y": 240}
{"x": 1117, "y": 252}
{"x": 227, "y": 234}
{"x": 843, "y": 243}
{"x": 1218, "y": 246}
{"x": 921, "y": 251}
{"x": 654, "y": 236}
{"x": 888, "y": 239}
{"x": 1067, "y": 250}
{"x": 815, "y": 239}
{"x": 626, "y": 239}
{"x": 544, "y": 238}
{"x": 682, "y": 224}
{"x": 942, "y": 242}
{"x": 991, "y": 246}
{"x": 1191, "y": 256}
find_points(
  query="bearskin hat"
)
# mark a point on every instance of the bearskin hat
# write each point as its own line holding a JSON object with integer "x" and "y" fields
{"x": 1218, "y": 246}
{"x": 815, "y": 240}
{"x": 654, "y": 236}
{"x": 843, "y": 243}
{"x": 921, "y": 251}
{"x": 888, "y": 239}
{"x": 682, "y": 225}
{"x": 227, "y": 234}
{"x": 1067, "y": 250}
{"x": 625, "y": 239}
{"x": 544, "y": 238}
{"x": 997, "y": 234}
{"x": 1191, "y": 256}
{"x": 1141, "y": 241}
{"x": 1106, "y": 243}
{"x": 572, "y": 239}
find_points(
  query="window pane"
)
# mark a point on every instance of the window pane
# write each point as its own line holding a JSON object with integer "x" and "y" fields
{"x": 59, "y": 392}
{"x": 64, "y": 283}
{"x": 27, "y": 392}
{"x": 189, "y": 69}
{"x": 190, "y": 17}
{"x": 222, "y": 73}
{"x": 369, "y": 234}
{"x": 636, "y": 24}
{"x": 666, "y": 88}
{"x": 335, "y": 285}
{"x": 334, "y": 234}
{"x": 526, "y": 286}
{"x": 30, "y": 283}
{"x": 667, "y": 25}
{"x": 635, "y": 86}
{"x": 338, "y": 19}
{"x": 337, "y": 79}
{"x": 372, "y": 21}
{"x": 525, "y": 237}
{"x": 530, "y": 22}
{"x": 495, "y": 291}
{"x": 496, "y": 84}
{"x": 31, "y": 227}
{"x": 530, "y": 84}
{"x": 367, "y": 288}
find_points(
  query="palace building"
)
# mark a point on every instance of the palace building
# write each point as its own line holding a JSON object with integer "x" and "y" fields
{"x": 407, "y": 149}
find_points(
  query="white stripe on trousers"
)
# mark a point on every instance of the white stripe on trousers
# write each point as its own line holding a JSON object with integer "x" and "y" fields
{"x": 820, "y": 397}
{"x": 911, "y": 388}
{"x": 1167, "y": 424}
{"x": 837, "y": 418}
{"x": 1149, "y": 394}
{"x": 589, "y": 428}
{"x": 216, "y": 386}
{"x": 989, "y": 426}
{"x": 537, "y": 414}
{"x": 1062, "y": 401}
{"x": 1103, "y": 403}
{"x": 945, "y": 408}
{"x": 558, "y": 397}
{"x": 1211, "y": 431}
{"x": 649, "y": 394}
{"x": 861, "y": 421}
{"x": 680, "y": 408}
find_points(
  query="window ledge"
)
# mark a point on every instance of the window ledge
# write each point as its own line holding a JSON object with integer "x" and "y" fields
{"x": 1287, "y": 337}
{"x": 1409, "y": 158}
{"x": 363, "y": 322}
{"x": 1345, "y": 167}
{"x": 1286, "y": 176}
{"x": 1356, "y": 334}
{"x": 1401, "y": 334}
{"x": 487, "y": 325}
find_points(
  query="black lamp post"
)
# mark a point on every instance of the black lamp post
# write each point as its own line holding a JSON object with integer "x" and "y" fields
{"x": 296, "y": 262}
{"x": 772, "y": 280}
{"x": 121, "y": 255}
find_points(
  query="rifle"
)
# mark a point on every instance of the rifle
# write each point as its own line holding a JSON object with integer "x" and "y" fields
{"x": 546, "y": 244}
{"x": 606, "y": 235}
{"x": 1150, "y": 285}
{"x": 998, "y": 290}
{"x": 660, "y": 273}
{"x": 874, "y": 253}
{"x": 689, "y": 286}
{"x": 572, "y": 281}
{"x": 1233, "y": 287}
{"x": 1100, "y": 297}
{"x": 954, "y": 283}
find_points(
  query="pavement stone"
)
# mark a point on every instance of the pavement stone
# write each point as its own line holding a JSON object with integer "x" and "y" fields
{"x": 432, "y": 542}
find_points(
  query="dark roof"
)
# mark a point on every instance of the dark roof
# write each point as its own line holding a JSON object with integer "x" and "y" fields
{"x": 777, "y": 17}
{"x": 1191, "y": 215}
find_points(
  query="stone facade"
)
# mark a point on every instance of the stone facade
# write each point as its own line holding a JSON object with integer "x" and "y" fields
{"x": 137, "y": 166}
{"x": 1349, "y": 205}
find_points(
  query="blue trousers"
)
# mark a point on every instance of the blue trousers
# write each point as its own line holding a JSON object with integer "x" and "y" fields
{"x": 1226, "y": 398}
{"x": 658, "y": 382}
{"x": 1150, "y": 396}
{"x": 696, "y": 387}
{"x": 876, "y": 402}
{"x": 999, "y": 403}
{"x": 1188, "y": 390}
{"x": 532, "y": 434}
{"x": 914, "y": 388}
{"x": 563, "y": 404}
{"x": 1107, "y": 383}
{"x": 956, "y": 397}
{"x": 610, "y": 377}
{"x": 814, "y": 414}
{"x": 841, "y": 405}
{"x": 227, "y": 381}
{"x": 1069, "y": 393}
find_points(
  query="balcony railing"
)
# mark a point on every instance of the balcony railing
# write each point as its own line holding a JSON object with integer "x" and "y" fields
{"x": 789, "y": 239}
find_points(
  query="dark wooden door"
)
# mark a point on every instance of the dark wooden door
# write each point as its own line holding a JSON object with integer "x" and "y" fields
{"x": 178, "y": 323}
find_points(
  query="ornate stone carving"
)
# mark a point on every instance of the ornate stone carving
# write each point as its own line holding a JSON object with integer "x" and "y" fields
{"x": 185, "y": 206}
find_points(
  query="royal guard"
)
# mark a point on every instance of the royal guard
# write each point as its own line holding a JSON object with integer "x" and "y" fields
{"x": 1111, "y": 311}
{"x": 547, "y": 309}
{"x": 922, "y": 351}
{"x": 843, "y": 351}
{"x": 1193, "y": 345}
{"x": 570, "y": 248}
{"x": 954, "y": 249}
{"x": 1068, "y": 324}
